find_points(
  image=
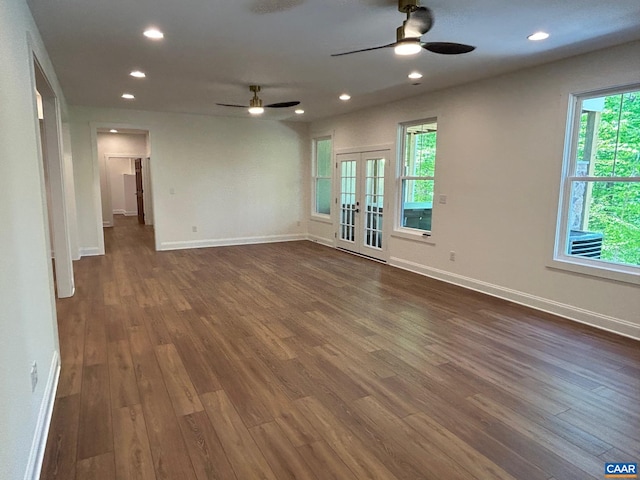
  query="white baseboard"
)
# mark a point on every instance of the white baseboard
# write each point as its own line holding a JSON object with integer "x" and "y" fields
{"x": 594, "y": 319}
{"x": 321, "y": 240}
{"x": 36, "y": 456}
{"x": 126, "y": 213}
{"x": 226, "y": 242}
{"x": 106, "y": 223}
{"x": 90, "y": 252}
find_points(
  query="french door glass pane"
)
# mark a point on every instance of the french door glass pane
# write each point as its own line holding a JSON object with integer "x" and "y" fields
{"x": 347, "y": 200}
{"x": 374, "y": 200}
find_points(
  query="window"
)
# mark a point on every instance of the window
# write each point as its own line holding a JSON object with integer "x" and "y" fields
{"x": 417, "y": 175}
{"x": 322, "y": 176}
{"x": 600, "y": 213}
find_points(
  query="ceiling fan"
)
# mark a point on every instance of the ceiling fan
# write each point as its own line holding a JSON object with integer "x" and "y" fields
{"x": 255, "y": 106}
{"x": 419, "y": 21}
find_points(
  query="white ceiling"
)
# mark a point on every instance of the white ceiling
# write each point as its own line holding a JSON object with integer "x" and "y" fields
{"x": 213, "y": 49}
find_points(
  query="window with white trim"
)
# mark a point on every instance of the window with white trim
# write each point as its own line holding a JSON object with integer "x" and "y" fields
{"x": 600, "y": 204}
{"x": 322, "y": 150}
{"x": 417, "y": 175}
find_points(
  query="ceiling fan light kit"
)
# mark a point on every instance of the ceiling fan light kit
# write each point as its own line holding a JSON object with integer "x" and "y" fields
{"x": 409, "y": 46}
{"x": 408, "y": 36}
{"x": 256, "y": 106}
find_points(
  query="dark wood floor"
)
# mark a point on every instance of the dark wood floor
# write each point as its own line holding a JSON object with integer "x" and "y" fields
{"x": 294, "y": 360}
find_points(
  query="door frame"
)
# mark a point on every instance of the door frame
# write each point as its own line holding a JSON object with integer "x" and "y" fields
{"x": 97, "y": 195}
{"x": 50, "y": 153}
{"x": 390, "y": 154}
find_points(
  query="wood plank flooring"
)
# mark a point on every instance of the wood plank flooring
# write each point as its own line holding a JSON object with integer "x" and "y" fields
{"x": 296, "y": 361}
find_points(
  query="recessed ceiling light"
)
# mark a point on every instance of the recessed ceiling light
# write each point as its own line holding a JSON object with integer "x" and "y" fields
{"x": 113, "y": 130}
{"x": 538, "y": 36}
{"x": 128, "y": 96}
{"x": 138, "y": 74}
{"x": 154, "y": 34}
{"x": 415, "y": 75}
{"x": 344, "y": 97}
{"x": 299, "y": 111}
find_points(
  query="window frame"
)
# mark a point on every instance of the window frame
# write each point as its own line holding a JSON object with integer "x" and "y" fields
{"x": 561, "y": 259}
{"x": 399, "y": 230}
{"x": 325, "y": 217}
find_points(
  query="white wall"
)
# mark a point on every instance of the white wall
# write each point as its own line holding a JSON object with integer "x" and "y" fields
{"x": 236, "y": 180}
{"x": 27, "y": 316}
{"x": 118, "y": 167}
{"x": 500, "y": 149}
{"x": 129, "y": 205}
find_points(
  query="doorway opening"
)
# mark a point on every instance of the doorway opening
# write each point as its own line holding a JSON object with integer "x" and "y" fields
{"x": 125, "y": 180}
{"x": 50, "y": 151}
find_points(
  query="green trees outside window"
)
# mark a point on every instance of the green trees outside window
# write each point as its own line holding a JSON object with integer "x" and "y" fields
{"x": 418, "y": 174}
{"x": 604, "y": 178}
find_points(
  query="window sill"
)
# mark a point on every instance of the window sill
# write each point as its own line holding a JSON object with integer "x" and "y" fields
{"x": 606, "y": 271}
{"x": 414, "y": 235}
{"x": 321, "y": 219}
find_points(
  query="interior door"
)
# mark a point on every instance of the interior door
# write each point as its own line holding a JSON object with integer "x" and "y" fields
{"x": 360, "y": 203}
{"x": 139, "y": 191}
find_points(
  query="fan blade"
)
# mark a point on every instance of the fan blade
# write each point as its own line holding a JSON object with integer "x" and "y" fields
{"x": 419, "y": 22}
{"x": 364, "y": 50}
{"x": 448, "y": 48}
{"x": 282, "y": 105}
{"x": 232, "y": 105}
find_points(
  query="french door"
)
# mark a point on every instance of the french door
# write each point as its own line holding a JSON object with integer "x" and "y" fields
{"x": 360, "y": 202}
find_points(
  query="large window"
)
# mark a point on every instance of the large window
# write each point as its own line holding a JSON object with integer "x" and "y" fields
{"x": 418, "y": 174}
{"x": 322, "y": 175}
{"x": 600, "y": 224}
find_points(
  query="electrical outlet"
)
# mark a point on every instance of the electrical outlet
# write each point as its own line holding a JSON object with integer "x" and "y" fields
{"x": 452, "y": 256}
{"x": 194, "y": 229}
{"x": 34, "y": 376}
{"x": 442, "y": 199}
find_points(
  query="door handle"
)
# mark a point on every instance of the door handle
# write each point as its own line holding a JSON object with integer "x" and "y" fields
{"x": 357, "y": 210}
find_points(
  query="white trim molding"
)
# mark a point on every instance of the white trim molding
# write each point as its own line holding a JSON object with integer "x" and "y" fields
{"x": 321, "y": 240}
{"x": 90, "y": 252}
{"x": 226, "y": 242}
{"x": 36, "y": 456}
{"x": 594, "y": 319}
{"x": 126, "y": 213}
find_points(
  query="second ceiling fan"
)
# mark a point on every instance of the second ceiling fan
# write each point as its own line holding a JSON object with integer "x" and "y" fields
{"x": 256, "y": 106}
{"x": 419, "y": 21}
